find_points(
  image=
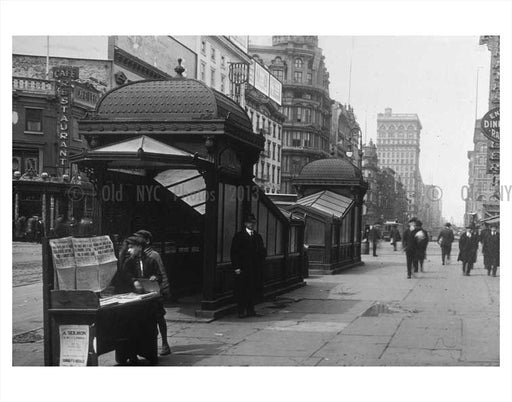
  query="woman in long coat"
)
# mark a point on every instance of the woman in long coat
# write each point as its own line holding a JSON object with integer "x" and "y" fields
{"x": 468, "y": 246}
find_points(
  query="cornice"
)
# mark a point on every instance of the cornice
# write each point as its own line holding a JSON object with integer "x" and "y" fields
{"x": 137, "y": 65}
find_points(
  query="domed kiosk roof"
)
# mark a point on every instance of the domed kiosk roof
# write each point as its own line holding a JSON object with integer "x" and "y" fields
{"x": 169, "y": 100}
{"x": 329, "y": 171}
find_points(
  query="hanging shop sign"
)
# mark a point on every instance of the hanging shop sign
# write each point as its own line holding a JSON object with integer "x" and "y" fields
{"x": 490, "y": 124}
{"x": 63, "y": 76}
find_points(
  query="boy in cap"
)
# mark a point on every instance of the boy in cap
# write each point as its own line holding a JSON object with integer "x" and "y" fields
{"x": 147, "y": 265}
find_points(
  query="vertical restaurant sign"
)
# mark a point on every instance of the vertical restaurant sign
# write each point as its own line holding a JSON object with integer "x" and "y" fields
{"x": 63, "y": 76}
{"x": 275, "y": 90}
{"x": 261, "y": 79}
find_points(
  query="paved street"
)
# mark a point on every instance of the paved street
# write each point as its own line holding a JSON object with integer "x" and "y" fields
{"x": 366, "y": 316}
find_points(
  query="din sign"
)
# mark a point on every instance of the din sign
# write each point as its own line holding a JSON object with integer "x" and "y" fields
{"x": 490, "y": 124}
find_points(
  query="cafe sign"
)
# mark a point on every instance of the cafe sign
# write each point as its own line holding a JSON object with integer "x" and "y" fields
{"x": 490, "y": 124}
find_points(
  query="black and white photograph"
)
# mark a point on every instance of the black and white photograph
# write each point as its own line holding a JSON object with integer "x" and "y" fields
{"x": 210, "y": 205}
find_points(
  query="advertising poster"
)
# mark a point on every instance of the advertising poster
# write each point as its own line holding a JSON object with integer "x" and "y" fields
{"x": 261, "y": 79}
{"x": 74, "y": 345}
{"x": 275, "y": 90}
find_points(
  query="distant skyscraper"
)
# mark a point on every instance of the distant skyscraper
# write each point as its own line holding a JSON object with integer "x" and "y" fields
{"x": 398, "y": 147}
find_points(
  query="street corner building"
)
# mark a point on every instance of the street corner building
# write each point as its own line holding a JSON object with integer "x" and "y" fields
{"x": 177, "y": 158}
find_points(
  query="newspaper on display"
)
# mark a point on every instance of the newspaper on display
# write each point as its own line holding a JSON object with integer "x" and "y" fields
{"x": 84, "y": 263}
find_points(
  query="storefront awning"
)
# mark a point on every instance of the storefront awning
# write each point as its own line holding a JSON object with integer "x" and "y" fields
{"x": 327, "y": 203}
{"x": 140, "y": 153}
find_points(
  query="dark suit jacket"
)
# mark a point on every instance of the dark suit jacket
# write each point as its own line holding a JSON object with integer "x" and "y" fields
{"x": 247, "y": 253}
{"x": 408, "y": 242}
{"x": 468, "y": 247}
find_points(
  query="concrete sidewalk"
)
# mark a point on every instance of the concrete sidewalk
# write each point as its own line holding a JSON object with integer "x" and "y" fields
{"x": 366, "y": 316}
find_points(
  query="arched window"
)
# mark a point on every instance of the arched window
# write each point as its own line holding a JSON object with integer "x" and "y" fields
{"x": 298, "y": 63}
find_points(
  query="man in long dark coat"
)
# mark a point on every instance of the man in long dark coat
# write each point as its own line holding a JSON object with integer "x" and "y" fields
{"x": 491, "y": 251}
{"x": 409, "y": 245}
{"x": 468, "y": 247}
{"x": 374, "y": 237}
{"x": 247, "y": 256}
{"x": 445, "y": 240}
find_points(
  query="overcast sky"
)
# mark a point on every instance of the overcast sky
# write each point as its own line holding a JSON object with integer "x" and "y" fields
{"x": 432, "y": 76}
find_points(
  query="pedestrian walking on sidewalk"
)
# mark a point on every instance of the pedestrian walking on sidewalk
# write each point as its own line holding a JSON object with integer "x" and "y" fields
{"x": 468, "y": 247}
{"x": 374, "y": 237}
{"x": 421, "y": 243}
{"x": 248, "y": 254}
{"x": 395, "y": 237}
{"x": 409, "y": 245}
{"x": 491, "y": 251}
{"x": 445, "y": 240}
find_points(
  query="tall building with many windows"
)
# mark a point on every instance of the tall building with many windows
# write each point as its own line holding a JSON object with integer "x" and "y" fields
{"x": 398, "y": 147}
{"x": 298, "y": 63}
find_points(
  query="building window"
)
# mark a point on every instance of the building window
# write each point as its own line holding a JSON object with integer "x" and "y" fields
{"x": 274, "y": 130}
{"x": 257, "y": 122}
{"x": 309, "y": 77}
{"x": 213, "y": 54}
{"x": 262, "y": 169}
{"x": 298, "y": 114}
{"x": 297, "y": 76}
{"x": 203, "y": 47}
{"x": 25, "y": 160}
{"x": 222, "y": 83}
{"x": 202, "y": 71}
{"x": 212, "y": 78}
{"x": 295, "y": 139}
{"x": 34, "y": 120}
{"x": 307, "y": 115}
{"x": 307, "y": 139}
{"x": 298, "y": 63}
{"x": 278, "y": 175}
{"x": 279, "y": 153}
{"x": 278, "y": 132}
{"x": 273, "y": 174}
{"x": 279, "y": 74}
{"x": 223, "y": 61}
{"x": 274, "y": 151}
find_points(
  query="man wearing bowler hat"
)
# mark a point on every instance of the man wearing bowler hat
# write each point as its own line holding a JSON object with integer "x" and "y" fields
{"x": 247, "y": 256}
